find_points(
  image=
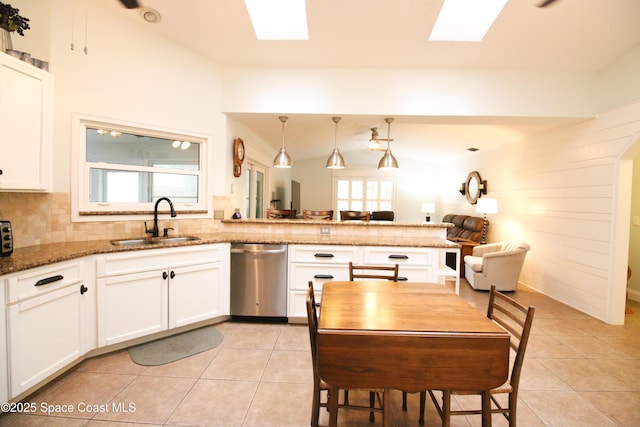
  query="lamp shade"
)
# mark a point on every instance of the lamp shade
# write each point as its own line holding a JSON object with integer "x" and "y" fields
{"x": 428, "y": 207}
{"x": 282, "y": 159}
{"x": 487, "y": 206}
{"x": 388, "y": 161}
{"x": 335, "y": 160}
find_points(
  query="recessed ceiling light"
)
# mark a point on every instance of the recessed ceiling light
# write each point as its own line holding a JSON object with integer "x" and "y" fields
{"x": 278, "y": 19}
{"x": 150, "y": 15}
{"x": 465, "y": 20}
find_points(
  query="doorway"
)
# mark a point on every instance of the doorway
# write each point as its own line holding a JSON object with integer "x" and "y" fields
{"x": 256, "y": 178}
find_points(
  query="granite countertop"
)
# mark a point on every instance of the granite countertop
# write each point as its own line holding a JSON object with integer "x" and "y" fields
{"x": 39, "y": 255}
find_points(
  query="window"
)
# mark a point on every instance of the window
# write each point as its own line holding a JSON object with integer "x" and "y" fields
{"x": 122, "y": 169}
{"x": 364, "y": 193}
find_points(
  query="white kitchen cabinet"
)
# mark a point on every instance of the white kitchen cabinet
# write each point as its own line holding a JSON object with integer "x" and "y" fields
{"x": 143, "y": 292}
{"x": 323, "y": 263}
{"x": 4, "y": 356}
{"x": 318, "y": 264}
{"x": 26, "y": 105}
{"x": 46, "y": 319}
{"x": 414, "y": 264}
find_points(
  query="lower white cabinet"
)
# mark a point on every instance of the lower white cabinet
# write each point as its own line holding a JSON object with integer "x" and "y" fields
{"x": 46, "y": 319}
{"x": 323, "y": 263}
{"x": 150, "y": 291}
{"x": 4, "y": 356}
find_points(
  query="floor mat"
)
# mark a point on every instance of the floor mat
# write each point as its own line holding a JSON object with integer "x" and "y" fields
{"x": 176, "y": 347}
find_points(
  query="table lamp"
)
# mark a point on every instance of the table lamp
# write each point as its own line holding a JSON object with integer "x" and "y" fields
{"x": 486, "y": 206}
{"x": 428, "y": 207}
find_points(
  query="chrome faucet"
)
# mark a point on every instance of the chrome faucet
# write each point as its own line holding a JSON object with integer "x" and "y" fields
{"x": 155, "y": 231}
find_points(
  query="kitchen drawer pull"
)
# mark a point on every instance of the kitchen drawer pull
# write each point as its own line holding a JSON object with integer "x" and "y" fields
{"x": 323, "y": 255}
{"x": 398, "y": 256}
{"x": 48, "y": 280}
{"x": 323, "y": 276}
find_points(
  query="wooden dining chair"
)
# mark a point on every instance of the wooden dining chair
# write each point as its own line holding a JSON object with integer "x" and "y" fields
{"x": 382, "y": 216}
{"x": 281, "y": 213}
{"x": 318, "y": 384}
{"x": 376, "y": 272}
{"x": 381, "y": 272}
{"x": 322, "y": 215}
{"x": 517, "y": 320}
{"x": 354, "y": 216}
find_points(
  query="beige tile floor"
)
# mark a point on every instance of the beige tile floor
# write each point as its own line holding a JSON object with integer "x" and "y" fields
{"x": 578, "y": 372}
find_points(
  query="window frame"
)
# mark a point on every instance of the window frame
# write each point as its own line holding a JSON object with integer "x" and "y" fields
{"x": 83, "y": 210}
{"x": 364, "y": 175}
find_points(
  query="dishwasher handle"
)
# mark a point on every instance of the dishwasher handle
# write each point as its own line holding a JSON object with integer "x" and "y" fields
{"x": 257, "y": 251}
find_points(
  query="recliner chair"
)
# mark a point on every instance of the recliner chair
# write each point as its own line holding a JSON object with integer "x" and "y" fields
{"x": 497, "y": 264}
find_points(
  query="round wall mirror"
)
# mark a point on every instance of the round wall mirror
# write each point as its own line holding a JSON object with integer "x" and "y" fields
{"x": 473, "y": 187}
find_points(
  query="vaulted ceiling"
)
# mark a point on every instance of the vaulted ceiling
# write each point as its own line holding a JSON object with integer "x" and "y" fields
{"x": 569, "y": 35}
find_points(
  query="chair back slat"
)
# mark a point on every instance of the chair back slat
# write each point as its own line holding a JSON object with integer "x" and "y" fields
{"x": 381, "y": 272}
{"x": 321, "y": 215}
{"x": 280, "y": 213}
{"x": 354, "y": 215}
{"x": 515, "y": 319}
{"x": 312, "y": 318}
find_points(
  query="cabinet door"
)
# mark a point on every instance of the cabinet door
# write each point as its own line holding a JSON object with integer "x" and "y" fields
{"x": 131, "y": 306}
{"x": 25, "y": 126}
{"x": 44, "y": 336}
{"x": 4, "y": 356}
{"x": 194, "y": 293}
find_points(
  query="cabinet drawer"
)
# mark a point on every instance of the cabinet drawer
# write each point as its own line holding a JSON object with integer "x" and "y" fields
{"x": 154, "y": 259}
{"x": 38, "y": 281}
{"x": 323, "y": 254}
{"x": 301, "y": 273}
{"x": 400, "y": 256}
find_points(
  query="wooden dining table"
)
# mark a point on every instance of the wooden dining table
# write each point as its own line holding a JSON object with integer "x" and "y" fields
{"x": 407, "y": 336}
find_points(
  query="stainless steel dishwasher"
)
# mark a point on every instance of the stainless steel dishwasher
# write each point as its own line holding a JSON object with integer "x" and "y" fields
{"x": 259, "y": 281}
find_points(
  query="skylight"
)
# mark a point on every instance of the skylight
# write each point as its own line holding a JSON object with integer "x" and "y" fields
{"x": 465, "y": 20}
{"x": 278, "y": 19}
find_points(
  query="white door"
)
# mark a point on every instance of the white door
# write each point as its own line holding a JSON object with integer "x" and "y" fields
{"x": 256, "y": 189}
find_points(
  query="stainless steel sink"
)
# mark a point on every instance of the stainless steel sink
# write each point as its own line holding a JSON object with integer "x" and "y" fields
{"x": 153, "y": 241}
{"x": 135, "y": 242}
{"x": 178, "y": 239}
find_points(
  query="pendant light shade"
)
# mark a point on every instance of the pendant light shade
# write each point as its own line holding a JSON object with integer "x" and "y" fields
{"x": 335, "y": 160}
{"x": 282, "y": 159}
{"x": 388, "y": 161}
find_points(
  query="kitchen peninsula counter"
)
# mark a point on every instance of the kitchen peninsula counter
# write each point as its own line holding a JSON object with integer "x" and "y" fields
{"x": 431, "y": 235}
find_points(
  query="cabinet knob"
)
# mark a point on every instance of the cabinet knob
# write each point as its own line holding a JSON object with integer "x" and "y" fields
{"x": 83, "y": 289}
{"x": 164, "y": 275}
{"x": 173, "y": 274}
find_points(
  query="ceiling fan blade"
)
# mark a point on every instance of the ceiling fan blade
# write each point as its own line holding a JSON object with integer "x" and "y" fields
{"x": 130, "y": 4}
{"x": 545, "y": 3}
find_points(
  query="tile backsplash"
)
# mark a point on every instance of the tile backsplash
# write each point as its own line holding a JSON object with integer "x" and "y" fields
{"x": 40, "y": 218}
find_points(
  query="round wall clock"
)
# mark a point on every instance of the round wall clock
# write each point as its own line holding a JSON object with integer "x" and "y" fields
{"x": 238, "y": 156}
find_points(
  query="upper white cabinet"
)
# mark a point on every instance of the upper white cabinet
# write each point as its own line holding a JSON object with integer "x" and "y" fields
{"x": 26, "y": 105}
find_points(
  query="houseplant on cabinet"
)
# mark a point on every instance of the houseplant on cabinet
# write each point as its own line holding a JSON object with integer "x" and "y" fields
{"x": 10, "y": 21}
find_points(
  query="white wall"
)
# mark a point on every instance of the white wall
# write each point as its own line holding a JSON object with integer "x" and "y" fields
{"x": 128, "y": 75}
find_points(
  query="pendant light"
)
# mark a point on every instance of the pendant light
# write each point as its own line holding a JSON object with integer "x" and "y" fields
{"x": 388, "y": 161}
{"x": 282, "y": 159}
{"x": 335, "y": 160}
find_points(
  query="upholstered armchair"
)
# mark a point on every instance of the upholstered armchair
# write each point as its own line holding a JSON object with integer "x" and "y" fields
{"x": 496, "y": 263}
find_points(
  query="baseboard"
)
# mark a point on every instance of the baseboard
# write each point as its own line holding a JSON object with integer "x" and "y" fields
{"x": 633, "y": 295}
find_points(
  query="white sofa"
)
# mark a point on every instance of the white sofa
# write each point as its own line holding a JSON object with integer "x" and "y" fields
{"x": 496, "y": 263}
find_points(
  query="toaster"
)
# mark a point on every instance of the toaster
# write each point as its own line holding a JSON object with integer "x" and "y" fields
{"x": 6, "y": 238}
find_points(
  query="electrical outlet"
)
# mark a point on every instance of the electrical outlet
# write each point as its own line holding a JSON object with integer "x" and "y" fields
{"x": 218, "y": 214}
{"x": 325, "y": 230}
{"x": 636, "y": 220}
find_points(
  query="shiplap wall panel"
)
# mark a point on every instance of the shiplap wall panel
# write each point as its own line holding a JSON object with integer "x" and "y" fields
{"x": 556, "y": 191}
